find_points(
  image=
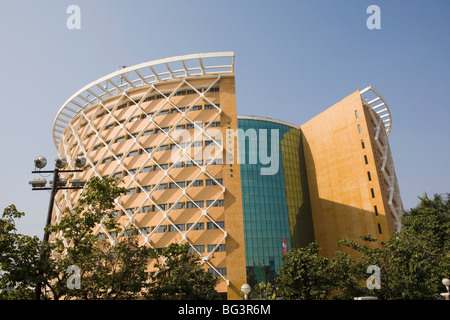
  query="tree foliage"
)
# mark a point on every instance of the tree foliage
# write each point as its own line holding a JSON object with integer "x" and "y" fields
{"x": 181, "y": 277}
{"x": 412, "y": 262}
{"x": 105, "y": 271}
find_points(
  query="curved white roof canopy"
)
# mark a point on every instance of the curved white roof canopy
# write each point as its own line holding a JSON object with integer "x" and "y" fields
{"x": 140, "y": 75}
{"x": 378, "y": 104}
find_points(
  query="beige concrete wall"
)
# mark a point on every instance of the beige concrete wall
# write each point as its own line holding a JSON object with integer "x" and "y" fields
{"x": 340, "y": 190}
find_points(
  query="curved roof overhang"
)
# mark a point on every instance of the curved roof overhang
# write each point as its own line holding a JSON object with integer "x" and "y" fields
{"x": 139, "y": 75}
{"x": 373, "y": 99}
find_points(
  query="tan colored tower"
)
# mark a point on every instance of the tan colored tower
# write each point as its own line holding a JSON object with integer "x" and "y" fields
{"x": 159, "y": 126}
{"x": 351, "y": 177}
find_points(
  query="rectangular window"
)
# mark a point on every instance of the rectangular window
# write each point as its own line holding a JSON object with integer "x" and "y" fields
{"x": 214, "y": 124}
{"x": 120, "y": 139}
{"x": 181, "y": 227}
{"x": 145, "y": 209}
{"x": 362, "y": 144}
{"x": 376, "y": 210}
{"x": 117, "y": 175}
{"x": 199, "y": 248}
{"x": 135, "y": 118}
{"x": 195, "y": 108}
{"x": 161, "y": 229}
{"x": 220, "y": 248}
{"x": 196, "y": 183}
{"x": 147, "y": 133}
{"x": 356, "y": 114}
{"x": 211, "y": 182}
{"x": 162, "y": 186}
{"x": 145, "y": 230}
{"x": 365, "y": 160}
{"x": 128, "y": 232}
{"x": 198, "y": 226}
{"x": 214, "y": 89}
{"x": 146, "y": 169}
{"x": 379, "y": 228}
{"x": 359, "y": 128}
{"x": 178, "y": 205}
{"x": 212, "y": 225}
{"x": 220, "y": 271}
{"x": 131, "y": 191}
{"x": 218, "y": 203}
{"x": 133, "y": 153}
{"x": 369, "y": 176}
{"x": 372, "y": 192}
{"x": 163, "y": 148}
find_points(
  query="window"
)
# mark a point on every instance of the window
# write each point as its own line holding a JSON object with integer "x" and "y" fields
{"x": 101, "y": 236}
{"x": 220, "y": 248}
{"x": 145, "y": 230}
{"x": 362, "y": 144}
{"x": 218, "y": 203}
{"x": 200, "y": 248}
{"x": 97, "y": 147}
{"x": 214, "y": 90}
{"x": 147, "y": 133}
{"x": 190, "y": 126}
{"x": 198, "y": 226}
{"x": 365, "y": 160}
{"x": 131, "y": 191}
{"x": 195, "y": 108}
{"x": 163, "y": 206}
{"x": 115, "y": 213}
{"x": 133, "y": 153}
{"x": 161, "y": 229}
{"x": 180, "y": 93}
{"x": 130, "y": 210}
{"x": 372, "y": 192}
{"x": 149, "y": 149}
{"x": 117, "y": 175}
{"x": 128, "y": 232}
{"x": 379, "y": 228}
{"x": 122, "y": 106}
{"x": 220, "y": 271}
{"x": 211, "y": 182}
{"x": 376, "y": 210}
{"x": 145, "y": 209}
{"x": 180, "y": 127}
{"x": 162, "y": 186}
{"x": 359, "y": 128}
{"x": 163, "y": 148}
{"x": 356, "y": 114}
{"x": 211, "y": 107}
{"x": 212, "y": 225}
{"x": 214, "y": 124}
{"x": 368, "y": 175}
{"x": 120, "y": 139}
{"x": 178, "y": 184}
{"x": 135, "y": 118}
{"x": 178, "y": 205}
{"x": 163, "y": 112}
{"x": 147, "y": 188}
{"x": 106, "y": 160}
{"x": 196, "y": 183}
{"x": 181, "y": 227}
{"x": 191, "y": 91}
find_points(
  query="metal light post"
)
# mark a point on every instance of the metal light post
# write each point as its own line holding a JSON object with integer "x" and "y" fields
{"x": 245, "y": 288}
{"x": 57, "y": 184}
{"x": 446, "y": 283}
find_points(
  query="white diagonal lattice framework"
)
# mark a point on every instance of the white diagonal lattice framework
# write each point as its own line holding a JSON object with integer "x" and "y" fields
{"x": 85, "y": 136}
{"x": 381, "y": 117}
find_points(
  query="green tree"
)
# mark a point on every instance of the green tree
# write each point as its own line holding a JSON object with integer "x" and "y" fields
{"x": 181, "y": 277}
{"x": 305, "y": 275}
{"x": 414, "y": 261}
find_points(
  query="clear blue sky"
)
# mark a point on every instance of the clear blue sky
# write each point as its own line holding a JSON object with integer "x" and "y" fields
{"x": 312, "y": 51}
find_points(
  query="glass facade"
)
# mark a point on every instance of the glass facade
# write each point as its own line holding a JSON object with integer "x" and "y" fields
{"x": 271, "y": 202}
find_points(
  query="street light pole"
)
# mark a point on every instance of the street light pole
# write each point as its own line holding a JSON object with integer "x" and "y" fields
{"x": 38, "y": 184}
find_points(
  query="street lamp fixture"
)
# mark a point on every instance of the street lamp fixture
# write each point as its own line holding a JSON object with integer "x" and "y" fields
{"x": 245, "y": 288}
{"x": 446, "y": 283}
{"x": 58, "y": 183}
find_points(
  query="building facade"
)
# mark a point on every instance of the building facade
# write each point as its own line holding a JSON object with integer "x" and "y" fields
{"x": 241, "y": 190}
